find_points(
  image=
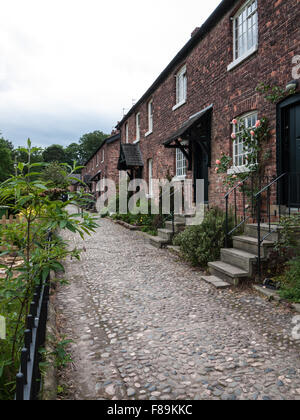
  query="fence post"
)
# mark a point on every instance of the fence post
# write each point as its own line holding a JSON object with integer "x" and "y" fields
{"x": 20, "y": 387}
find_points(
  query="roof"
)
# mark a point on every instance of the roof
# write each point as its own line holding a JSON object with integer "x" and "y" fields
{"x": 209, "y": 24}
{"x": 188, "y": 125}
{"x": 108, "y": 140}
{"x": 130, "y": 157}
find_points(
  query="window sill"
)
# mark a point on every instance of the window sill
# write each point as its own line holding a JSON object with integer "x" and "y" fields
{"x": 239, "y": 60}
{"x": 136, "y": 141}
{"x": 179, "y": 178}
{"x": 148, "y": 133}
{"x": 234, "y": 170}
{"x": 178, "y": 105}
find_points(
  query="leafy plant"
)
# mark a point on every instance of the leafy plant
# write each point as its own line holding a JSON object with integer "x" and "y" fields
{"x": 29, "y": 254}
{"x": 202, "y": 243}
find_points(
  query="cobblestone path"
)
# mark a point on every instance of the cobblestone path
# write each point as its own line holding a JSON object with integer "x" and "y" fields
{"x": 145, "y": 327}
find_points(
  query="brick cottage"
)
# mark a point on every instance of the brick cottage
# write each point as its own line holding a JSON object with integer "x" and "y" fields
{"x": 103, "y": 163}
{"x": 185, "y": 124}
{"x": 182, "y": 124}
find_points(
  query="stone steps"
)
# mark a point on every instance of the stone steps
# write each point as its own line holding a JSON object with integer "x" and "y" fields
{"x": 216, "y": 282}
{"x": 227, "y": 272}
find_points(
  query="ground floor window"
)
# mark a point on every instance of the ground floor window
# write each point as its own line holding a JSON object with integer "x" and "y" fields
{"x": 181, "y": 164}
{"x": 150, "y": 176}
{"x": 240, "y": 151}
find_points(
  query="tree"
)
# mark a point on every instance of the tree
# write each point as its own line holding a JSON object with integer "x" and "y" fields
{"x": 54, "y": 153}
{"x": 73, "y": 153}
{"x": 6, "y": 163}
{"x": 90, "y": 143}
{"x": 56, "y": 175}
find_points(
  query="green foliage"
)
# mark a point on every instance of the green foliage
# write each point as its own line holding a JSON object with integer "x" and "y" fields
{"x": 54, "y": 153}
{"x": 202, "y": 243}
{"x": 290, "y": 281}
{"x": 89, "y": 143}
{"x": 26, "y": 241}
{"x": 56, "y": 175}
{"x": 273, "y": 94}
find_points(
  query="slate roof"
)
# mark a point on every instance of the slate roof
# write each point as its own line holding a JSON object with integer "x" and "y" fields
{"x": 130, "y": 157}
{"x": 187, "y": 125}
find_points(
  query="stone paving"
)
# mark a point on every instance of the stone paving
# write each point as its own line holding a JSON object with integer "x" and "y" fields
{"x": 146, "y": 328}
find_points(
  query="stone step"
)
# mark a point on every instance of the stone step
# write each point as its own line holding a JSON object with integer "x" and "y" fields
{"x": 250, "y": 244}
{"x": 158, "y": 242}
{"x": 251, "y": 230}
{"x": 227, "y": 272}
{"x": 166, "y": 234}
{"x": 174, "y": 249}
{"x": 216, "y": 282}
{"x": 178, "y": 226}
{"x": 238, "y": 258}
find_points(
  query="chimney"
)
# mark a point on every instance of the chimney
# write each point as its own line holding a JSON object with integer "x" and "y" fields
{"x": 194, "y": 32}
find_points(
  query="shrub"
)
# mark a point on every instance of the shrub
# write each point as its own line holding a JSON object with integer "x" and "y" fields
{"x": 290, "y": 288}
{"x": 202, "y": 243}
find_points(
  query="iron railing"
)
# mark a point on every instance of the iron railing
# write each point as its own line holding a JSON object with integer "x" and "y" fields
{"x": 288, "y": 192}
{"x": 28, "y": 380}
{"x": 241, "y": 212}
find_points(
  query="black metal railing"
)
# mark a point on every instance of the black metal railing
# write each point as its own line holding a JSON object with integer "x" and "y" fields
{"x": 240, "y": 193}
{"x": 288, "y": 194}
{"x": 28, "y": 380}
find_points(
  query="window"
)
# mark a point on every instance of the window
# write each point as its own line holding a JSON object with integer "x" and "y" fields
{"x": 245, "y": 27}
{"x": 126, "y": 133}
{"x": 180, "y": 163}
{"x": 150, "y": 118}
{"x": 97, "y": 160}
{"x": 239, "y": 150}
{"x": 150, "y": 176}
{"x": 181, "y": 88}
{"x": 103, "y": 156}
{"x": 138, "y": 127}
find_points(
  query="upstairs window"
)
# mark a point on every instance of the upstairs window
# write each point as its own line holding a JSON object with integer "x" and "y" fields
{"x": 150, "y": 117}
{"x": 245, "y": 27}
{"x": 240, "y": 152}
{"x": 103, "y": 156}
{"x": 181, "y": 165}
{"x": 138, "y": 127}
{"x": 181, "y": 87}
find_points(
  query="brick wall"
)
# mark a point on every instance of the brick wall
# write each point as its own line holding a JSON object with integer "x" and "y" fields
{"x": 231, "y": 92}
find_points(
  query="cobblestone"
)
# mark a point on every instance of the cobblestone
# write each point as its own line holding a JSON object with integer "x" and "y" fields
{"x": 144, "y": 326}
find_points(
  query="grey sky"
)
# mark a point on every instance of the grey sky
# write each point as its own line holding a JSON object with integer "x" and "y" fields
{"x": 68, "y": 67}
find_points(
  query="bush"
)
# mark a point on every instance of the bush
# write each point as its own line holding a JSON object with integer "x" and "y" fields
{"x": 202, "y": 243}
{"x": 290, "y": 288}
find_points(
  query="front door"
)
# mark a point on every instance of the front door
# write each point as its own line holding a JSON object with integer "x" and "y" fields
{"x": 291, "y": 153}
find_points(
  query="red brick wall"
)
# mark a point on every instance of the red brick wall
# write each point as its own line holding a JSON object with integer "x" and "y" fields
{"x": 232, "y": 93}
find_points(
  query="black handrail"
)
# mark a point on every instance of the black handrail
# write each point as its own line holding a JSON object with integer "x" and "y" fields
{"x": 258, "y": 198}
{"x": 237, "y": 225}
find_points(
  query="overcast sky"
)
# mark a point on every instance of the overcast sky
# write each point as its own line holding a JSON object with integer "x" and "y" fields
{"x": 69, "y": 67}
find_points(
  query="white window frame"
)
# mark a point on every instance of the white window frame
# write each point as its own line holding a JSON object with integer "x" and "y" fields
{"x": 181, "y": 164}
{"x": 239, "y": 156}
{"x": 150, "y": 118}
{"x": 127, "y": 132}
{"x": 138, "y": 127}
{"x": 181, "y": 88}
{"x": 103, "y": 156}
{"x": 248, "y": 31}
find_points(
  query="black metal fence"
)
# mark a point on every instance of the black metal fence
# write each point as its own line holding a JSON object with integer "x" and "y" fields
{"x": 28, "y": 380}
